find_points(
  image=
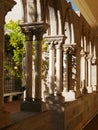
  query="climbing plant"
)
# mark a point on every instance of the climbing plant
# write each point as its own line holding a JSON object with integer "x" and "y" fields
{"x": 15, "y": 51}
{"x": 14, "y": 41}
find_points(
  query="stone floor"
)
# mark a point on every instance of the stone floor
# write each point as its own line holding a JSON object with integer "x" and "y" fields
{"x": 13, "y": 107}
{"x": 93, "y": 124}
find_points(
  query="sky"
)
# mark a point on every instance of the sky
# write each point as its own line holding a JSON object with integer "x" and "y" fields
{"x": 73, "y": 6}
{"x": 16, "y": 13}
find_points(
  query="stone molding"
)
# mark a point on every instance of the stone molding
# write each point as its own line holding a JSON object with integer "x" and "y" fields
{"x": 35, "y": 27}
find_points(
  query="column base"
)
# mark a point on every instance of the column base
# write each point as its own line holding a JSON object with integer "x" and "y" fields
{"x": 84, "y": 90}
{"x": 69, "y": 96}
{"x": 89, "y": 89}
{"x": 94, "y": 88}
{"x": 33, "y": 106}
{"x": 5, "y": 119}
{"x": 77, "y": 94}
{"x": 55, "y": 103}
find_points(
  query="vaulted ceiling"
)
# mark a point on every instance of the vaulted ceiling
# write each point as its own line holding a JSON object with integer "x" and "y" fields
{"x": 89, "y": 9}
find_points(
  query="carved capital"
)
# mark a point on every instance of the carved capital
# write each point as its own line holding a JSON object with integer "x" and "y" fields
{"x": 59, "y": 43}
{"x": 65, "y": 49}
{"x": 89, "y": 57}
{"x": 70, "y": 48}
{"x": 51, "y": 45}
{"x": 57, "y": 40}
{"x": 35, "y": 28}
{"x": 27, "y": 31}
{"x": 38, "y": 36}
{"x": 82, "y": 53}
{"x": 94, "y": 59}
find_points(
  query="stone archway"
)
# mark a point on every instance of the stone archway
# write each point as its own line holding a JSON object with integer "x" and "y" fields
{"x": 5, "y": 7}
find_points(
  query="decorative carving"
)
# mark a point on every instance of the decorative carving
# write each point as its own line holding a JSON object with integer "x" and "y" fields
{"x": 94, "y": 60}
{"x": 82, "y": 53}
{"x": 35, "y": 28}
{"x": 56, "y": 40}
{"x": 70, "y": 48}
{"x": 65, "y": 49}
{"x": 51, "y": 45}
{"x": 59, "y": 43}
{"x": 89, "y": 57}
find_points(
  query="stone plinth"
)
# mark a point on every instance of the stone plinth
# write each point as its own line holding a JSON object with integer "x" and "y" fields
{"x": 33, "y": 106}
{"x": 56, "y": 106}
{"x": 69, "y": 96}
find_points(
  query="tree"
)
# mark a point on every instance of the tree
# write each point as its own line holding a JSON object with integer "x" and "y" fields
{"x": 15, "y": 50}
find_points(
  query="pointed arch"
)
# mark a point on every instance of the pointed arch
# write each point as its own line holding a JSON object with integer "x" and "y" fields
{"x": 72, "y": 34}
{"x": 67, "y": 27}
{"x": 54, "y": 17}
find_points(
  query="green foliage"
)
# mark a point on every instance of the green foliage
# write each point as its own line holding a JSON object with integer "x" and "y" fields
{"x": 14, "y": 47}
{"x": 45, "y": 59}
{"x": 15, "y": 50}
{"x": 16, "y": 41}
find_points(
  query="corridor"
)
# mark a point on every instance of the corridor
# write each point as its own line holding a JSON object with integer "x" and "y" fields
{"x": 65, "y": 90}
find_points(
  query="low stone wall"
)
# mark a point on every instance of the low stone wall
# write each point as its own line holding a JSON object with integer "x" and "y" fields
{"x": 79, "y": 112}
{"x": 69, "y": 116}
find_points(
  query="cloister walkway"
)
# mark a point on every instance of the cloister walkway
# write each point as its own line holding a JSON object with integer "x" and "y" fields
{"x": 14, "y": 107}
{"x": 93, "y": 124}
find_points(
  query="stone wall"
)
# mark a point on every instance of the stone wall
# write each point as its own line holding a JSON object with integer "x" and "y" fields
{"x": 76, "y": 116}
{"x": 79, "y": 112}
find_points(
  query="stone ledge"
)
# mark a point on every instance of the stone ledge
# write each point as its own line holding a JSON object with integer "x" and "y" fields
{"x": 33, "y": 106}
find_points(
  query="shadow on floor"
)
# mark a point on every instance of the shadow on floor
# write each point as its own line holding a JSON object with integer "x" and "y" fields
{"x": 93, "y": 124}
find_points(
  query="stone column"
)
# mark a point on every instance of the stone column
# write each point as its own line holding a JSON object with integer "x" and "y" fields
{"x": 27, "y": 104}
{"x": 5, "y": 6}
{"x": 65, "y": 69}
{"x": 1, "y": 63}
{"x": 29, "y": 37}
{"x": 51, "y": 67}
{"x": 89, "y": 87}
{"x": 68, "y": 91}
{"x": 38, "y": 66}
{"x": 94, "y": 73}
{"x": 36, "y": 29}
{"x": 70, "y": 86}
{"x": 94, "y": 70}
{"x": 68, "y": 94}
{"x": 55, "y": 103}
{"x": 83, "y": 72}
{"x": 59, "y": 67}
{"x": 78, "y": 70}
